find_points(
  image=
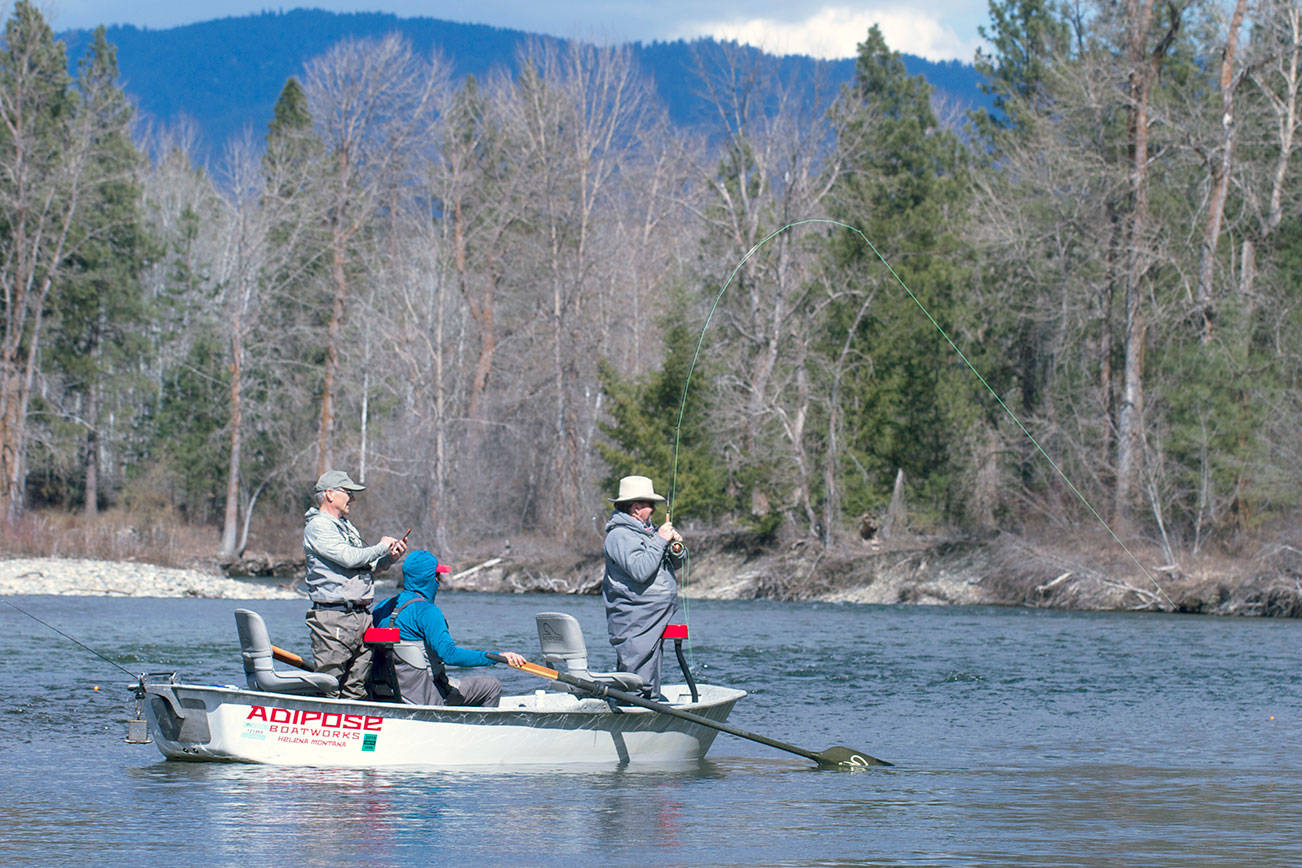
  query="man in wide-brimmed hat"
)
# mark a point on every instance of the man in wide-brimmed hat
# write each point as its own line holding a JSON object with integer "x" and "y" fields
{"x": 340, "y": 583}
{"x": 640, "y": 586}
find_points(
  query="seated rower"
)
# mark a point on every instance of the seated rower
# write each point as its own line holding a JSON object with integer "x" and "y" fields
{"x": 417, "y": 618}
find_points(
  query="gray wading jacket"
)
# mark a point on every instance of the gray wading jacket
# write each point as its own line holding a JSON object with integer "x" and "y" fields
{"x": 339, "y": 564}
{"x": 640, "y": 586}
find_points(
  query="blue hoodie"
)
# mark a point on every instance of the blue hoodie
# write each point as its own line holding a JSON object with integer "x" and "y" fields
{"x": 422, "y": 619}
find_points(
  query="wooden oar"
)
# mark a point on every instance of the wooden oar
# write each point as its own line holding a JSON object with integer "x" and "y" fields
{"x": 832, "y": 758}
{"x": 289, "y": 657}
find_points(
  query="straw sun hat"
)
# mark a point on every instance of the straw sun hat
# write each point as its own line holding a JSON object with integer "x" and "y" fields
{"x": 636, "y": 488}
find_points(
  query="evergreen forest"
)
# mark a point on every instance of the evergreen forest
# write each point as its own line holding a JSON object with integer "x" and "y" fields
{"x": 483, "y": 296}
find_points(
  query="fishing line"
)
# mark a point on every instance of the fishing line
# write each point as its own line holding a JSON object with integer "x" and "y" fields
{"x": 673, "y": 484}
{"x": 71, "y": 639}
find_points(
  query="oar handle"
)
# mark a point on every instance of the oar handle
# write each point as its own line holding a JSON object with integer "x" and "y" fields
{"x": 531, "y": 668}
{"x": 289, "y": 657}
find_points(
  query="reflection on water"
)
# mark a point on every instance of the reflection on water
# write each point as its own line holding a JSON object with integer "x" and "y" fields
{"x": 1026, "y": 737}
{"x": 550, "y": 812}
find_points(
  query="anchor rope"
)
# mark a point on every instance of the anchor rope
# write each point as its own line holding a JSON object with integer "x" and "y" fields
{"x": 682, "y": 405}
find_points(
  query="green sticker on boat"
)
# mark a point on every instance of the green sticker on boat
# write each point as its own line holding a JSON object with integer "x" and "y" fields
{"x": 368, "y": 742}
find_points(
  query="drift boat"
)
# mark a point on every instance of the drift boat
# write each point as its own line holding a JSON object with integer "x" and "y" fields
{"x": 283, "y": 718}
{"x": 209, "y": 723}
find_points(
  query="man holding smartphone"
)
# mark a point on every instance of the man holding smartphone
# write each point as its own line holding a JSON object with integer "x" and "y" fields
{"x": 340, "y": 582}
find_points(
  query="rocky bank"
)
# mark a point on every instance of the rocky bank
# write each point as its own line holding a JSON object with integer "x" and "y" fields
{"x": 88, "y": 578}
{"x": 1005, "y": 569}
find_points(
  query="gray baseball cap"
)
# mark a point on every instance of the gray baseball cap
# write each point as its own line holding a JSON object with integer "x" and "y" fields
{"x": 333, "y": 479}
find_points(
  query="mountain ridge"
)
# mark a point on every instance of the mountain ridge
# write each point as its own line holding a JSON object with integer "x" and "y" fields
{"x": 226, "y": 73}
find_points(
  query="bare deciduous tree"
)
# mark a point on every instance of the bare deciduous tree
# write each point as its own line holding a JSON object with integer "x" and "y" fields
{"x": 371, "y": 101}
{"x": 780, "y": 163}
{"x": 1221, "y": 165}
{"x": 575, "y": 116}
{"x": 1147, "y": 44}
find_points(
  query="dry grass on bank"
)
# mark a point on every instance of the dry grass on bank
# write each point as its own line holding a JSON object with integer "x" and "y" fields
{"x": 113, "y": 535}
{"x": 163, "y": 538}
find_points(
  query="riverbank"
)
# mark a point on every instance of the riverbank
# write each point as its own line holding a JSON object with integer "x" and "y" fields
{"x": 81, "y": 577}
{"x": 1003, "y": 570}
{"x": 1086, "y": 574}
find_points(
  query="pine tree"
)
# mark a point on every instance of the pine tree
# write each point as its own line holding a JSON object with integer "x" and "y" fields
{"x": 295, "y": 291}
{"x": 644, "y": 414}
{"x": 912, "y": 406}
{"x": 39, "y": 182}
{"x": 1026, "y": 38}
{"x": 98, "y": 313}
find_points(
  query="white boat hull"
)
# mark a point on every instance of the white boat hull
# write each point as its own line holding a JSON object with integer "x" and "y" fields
{"x": 229, "y": 724}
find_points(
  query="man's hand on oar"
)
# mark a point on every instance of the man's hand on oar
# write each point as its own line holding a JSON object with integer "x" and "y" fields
{"x": 832, "y": 758}
{"x": 515, "y": 660}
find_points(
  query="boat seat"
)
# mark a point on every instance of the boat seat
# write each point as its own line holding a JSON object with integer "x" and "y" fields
{"x": 563, "y": 649}
{"x": 413, "y": 653}
{"x": 259, "y": 671}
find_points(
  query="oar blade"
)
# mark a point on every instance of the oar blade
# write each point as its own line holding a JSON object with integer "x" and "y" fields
{"x": 847, "y": 759}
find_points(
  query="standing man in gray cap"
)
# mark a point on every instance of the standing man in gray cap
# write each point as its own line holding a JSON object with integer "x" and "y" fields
{"x": 340, "y": 583}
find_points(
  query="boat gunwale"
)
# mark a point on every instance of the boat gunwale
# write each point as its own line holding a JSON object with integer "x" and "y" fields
{"x": 589, "y": 707}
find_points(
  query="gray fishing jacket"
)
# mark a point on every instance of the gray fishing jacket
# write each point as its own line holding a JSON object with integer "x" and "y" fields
{"x": 640, "y": 586}
{"x": 339, "y": 563}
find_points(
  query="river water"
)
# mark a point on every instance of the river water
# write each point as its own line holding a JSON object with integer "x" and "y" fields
{"x": 1019, "y": 736}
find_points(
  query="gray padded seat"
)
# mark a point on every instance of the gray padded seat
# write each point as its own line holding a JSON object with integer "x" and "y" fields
{"x": 261, "y": 674}
{"x": 563, "y": 649}
{"x": 412, "y": 652}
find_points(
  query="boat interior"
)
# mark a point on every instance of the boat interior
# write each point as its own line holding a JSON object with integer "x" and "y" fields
{"x": 564, "y": 650}
{"x": 260, "y": 672}
{"x": 559, "y": 636}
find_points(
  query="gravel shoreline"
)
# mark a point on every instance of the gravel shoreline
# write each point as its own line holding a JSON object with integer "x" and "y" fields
{"x": 78, "y": 577}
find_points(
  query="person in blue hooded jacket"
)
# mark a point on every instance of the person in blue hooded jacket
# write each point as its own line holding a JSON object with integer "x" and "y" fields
{"x": 420, "y": 620}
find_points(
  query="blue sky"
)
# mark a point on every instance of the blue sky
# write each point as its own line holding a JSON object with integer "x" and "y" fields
{"x": 935, "y": 29}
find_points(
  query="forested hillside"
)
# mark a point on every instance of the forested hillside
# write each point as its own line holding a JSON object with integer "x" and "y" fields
{"x": 483, "y": 296}
{"x": 224, "y": 75}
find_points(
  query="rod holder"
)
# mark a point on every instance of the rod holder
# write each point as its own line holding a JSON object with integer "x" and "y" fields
{"x": 678, "y": 632}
